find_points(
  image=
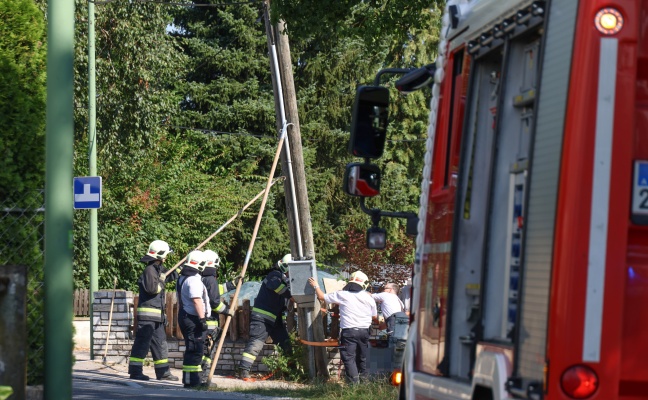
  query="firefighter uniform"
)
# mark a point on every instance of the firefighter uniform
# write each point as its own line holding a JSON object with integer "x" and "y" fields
{"x": 215, "y": 290}
{"x": 150, "y": 322}
{"x": 267, "y": 320}
{"x": 192, "y": 317}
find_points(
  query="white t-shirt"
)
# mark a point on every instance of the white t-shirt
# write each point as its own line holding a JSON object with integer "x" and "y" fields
{"x": 192, "y": 287}
{"x": 390, "y": 303}
{"x": 356, "y": 309}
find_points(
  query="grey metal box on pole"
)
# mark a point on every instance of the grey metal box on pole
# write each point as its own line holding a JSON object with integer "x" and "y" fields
{"x": 299, "y": 272}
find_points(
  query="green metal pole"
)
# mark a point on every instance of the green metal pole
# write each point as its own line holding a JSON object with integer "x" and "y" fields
{"x": 59, "y": 139}
{"x": 92, "y": 154}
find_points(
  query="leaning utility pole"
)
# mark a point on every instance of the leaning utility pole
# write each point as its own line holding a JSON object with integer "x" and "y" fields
{"x": 292, "y": 162}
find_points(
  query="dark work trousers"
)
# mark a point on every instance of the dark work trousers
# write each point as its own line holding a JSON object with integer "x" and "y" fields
{"x": 150, "y": 335}
{"x": 194, "y": 336}
{"x": 260, "y": 329}
{"x": 355, "y": 346}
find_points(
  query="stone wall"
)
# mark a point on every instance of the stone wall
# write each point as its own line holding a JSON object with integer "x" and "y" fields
{"x": 121, "y": 338}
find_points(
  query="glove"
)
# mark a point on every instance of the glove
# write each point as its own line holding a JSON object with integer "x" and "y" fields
{"x": 203, "y": 323}
{"x": 173, "y": 276}
{"x": 237, "y": 279}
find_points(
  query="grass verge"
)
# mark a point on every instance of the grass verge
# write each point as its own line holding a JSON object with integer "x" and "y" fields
{"x": 333, "y": 391}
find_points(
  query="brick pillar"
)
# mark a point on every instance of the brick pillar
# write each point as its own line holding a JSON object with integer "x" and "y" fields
{"x": 120, "y": 341}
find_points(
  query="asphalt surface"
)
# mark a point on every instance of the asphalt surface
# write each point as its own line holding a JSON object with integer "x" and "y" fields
{"x": 92, "y": 379}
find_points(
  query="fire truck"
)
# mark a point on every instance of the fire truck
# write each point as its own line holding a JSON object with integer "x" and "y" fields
{"x": 531, "y": 271}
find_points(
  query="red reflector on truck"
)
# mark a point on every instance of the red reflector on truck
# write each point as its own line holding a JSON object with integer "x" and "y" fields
{"x": 579, "y": 382}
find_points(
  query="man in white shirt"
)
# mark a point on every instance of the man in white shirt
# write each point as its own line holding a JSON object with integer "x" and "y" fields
{"x": 389, "y": 304}
{"x": 357, "y": 311}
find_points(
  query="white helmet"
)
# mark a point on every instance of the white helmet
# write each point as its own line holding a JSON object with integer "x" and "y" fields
{"x": 360, "y": 278}
{"x": 212, "y": 260}
{"x": 159, "y": 249}
{"x": 196, "y": 260}
{"x": 283, "y": 263}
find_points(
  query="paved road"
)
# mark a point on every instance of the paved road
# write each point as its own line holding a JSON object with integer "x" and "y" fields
{"x": 83, "y": 389}
{"x": 93, "y": 380}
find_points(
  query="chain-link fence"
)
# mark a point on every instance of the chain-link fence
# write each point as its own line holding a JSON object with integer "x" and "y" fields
{"x": 22, "y": 233}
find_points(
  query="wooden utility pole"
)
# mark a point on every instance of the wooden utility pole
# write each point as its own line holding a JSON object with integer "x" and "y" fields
{"x": 301, "y": 239}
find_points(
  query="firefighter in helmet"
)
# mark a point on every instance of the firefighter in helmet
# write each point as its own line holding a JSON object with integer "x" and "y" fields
{"x": 215, "y": 290}
{"x": 150, "y": 315}
{"x": 193, "y": 312}
{"x": 357, "y": 312}
{"x": 267, "y": 316}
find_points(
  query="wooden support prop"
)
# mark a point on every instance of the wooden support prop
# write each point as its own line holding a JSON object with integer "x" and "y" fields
{"x": 112, "y": 303}
{"x": 234, "y": 302}
{"x": 229, "y": 221}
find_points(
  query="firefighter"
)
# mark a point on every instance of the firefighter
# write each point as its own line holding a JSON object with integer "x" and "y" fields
{"x": 194, "y": 309}
{"x": 215, "y": 290}
{"x": 357, "y": 312}
{"x": 267, "y": 317}
{"x": 150, "y": 315}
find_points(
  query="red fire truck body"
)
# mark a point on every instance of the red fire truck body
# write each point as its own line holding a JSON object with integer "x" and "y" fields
{"x": 531, "y": 278}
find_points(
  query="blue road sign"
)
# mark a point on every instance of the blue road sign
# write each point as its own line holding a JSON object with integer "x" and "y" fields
{"x": 87, "y": 192}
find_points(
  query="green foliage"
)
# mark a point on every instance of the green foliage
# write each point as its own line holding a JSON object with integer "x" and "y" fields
{"x": 22, "y": 165}
{"x": 186, "y": 126}
{"x": 22, "y": 97}
{"x": 290, "y": 367}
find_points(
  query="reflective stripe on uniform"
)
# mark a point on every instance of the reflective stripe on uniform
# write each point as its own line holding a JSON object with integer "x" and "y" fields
{"x": 211, "y": 322}
{"x": 282, "y": 288}
{"x": 221, "y": 288}
{"x": 220, "y": 307}
{"x": 152, "y": 312}
{"x": 136, "y": 361}
{"x": 161, "y": 361}
{"x": 160, "y": 287}
{"x": 249, "y": 356}
{"x": 264, "y": 312}
{"x": 191, "y": 368}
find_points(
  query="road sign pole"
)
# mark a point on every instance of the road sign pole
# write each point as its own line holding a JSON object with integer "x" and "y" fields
{"x": 92, "y": 150}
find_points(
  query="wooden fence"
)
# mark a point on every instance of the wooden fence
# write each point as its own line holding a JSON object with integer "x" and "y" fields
{"x": 81, "y": 303}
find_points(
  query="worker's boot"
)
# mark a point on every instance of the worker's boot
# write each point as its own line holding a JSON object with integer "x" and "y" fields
{"x": 244, "y": 375}
{"x": 168, "y": 376}
{"x": 139, "y": 376}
